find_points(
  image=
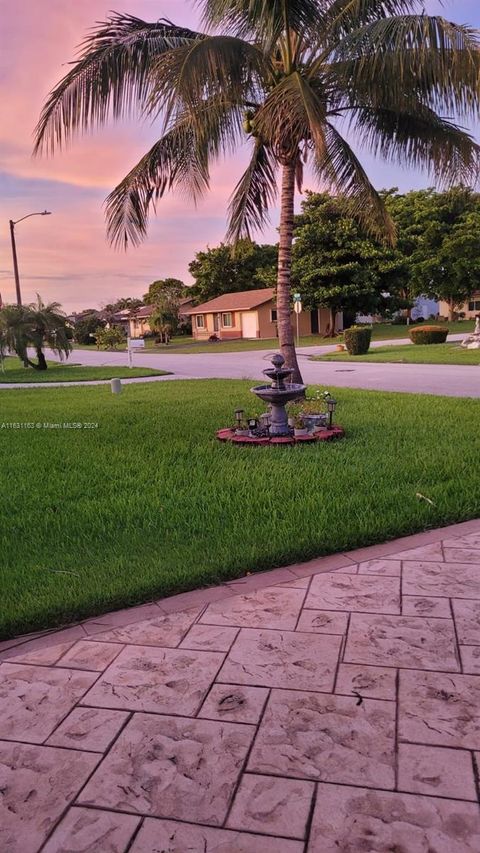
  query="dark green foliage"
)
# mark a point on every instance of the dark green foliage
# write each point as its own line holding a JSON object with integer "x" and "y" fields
{"x": 337, "y": 265}
{"x": 428, "y": 335}
{"x": 357, "y": 339}
{"x": 439, "y": 236}
{"x": 222, "y": 270}
{"x": 86, "y": 327}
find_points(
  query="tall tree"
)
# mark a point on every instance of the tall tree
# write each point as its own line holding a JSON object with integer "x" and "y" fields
{"x": 162, "y": 286}
{"x": 336, "y": 265}
{"x": 219, "y": 270}
{"x": 285, "y": 72}
{"x": 439, "y": 236}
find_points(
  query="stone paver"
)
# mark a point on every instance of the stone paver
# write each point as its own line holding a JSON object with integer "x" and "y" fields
{"x": 89, "y": 728}
{"x": 354, "y": 592}
{"x": 92, "y": 830}
{"x": 164, "y": 630}
{"x": 37, "y": 783}
{"x": 440, "y": 709}
{"x": 351, "y": 820}
{"x": 328, "y": 707}
{"x": 267, "y": 608}
{"x": 145, "y": 678}
{"x": 372, "y": 682}
{"x": 34, "y": 699}
{"x": 157, "y": 836}
{"x": 332, "y": 738}
{"x": 282, "y": 659}
{"x": 436, "y": 770}
{"x": 273, "y": 805}
{"x": 406, "y": 641}
{"x": 172, "y": 767}
{"x": 236, "y": 703}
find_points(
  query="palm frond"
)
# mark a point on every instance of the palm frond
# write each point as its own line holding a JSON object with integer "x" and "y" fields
{"x": 293, "y": 112}
{"x": 342, "y": 172}
{"x": 436, "y": 61}
{"x": 344, "y": 15}
{"x": 111, "y": 77}
{"x": 253, "y": 196}
{"x": 175, "y": 160}
{"x": 265, "y": 20}
{"x": 221, "y": 67}
{"x": 421, "y": 139}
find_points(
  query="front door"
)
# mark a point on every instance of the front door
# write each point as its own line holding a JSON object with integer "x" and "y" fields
{"x": 216, "y": 322}
{"x": 314, "y": 327}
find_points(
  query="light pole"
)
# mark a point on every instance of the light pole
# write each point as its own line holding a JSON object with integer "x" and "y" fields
{"x": 14, "y": 249}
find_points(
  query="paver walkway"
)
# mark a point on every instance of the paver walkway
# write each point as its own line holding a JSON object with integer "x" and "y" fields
{"x": 304, "y": 709}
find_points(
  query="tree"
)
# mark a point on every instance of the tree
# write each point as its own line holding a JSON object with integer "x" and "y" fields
{"x": 219, "y": 270}
{"x": 336, "y": 265}
{"x": 85, "y": 328}
{"x": 127, "y": 302}
{"x": 36, "y": 325}
{"x": 164, "y": 317}
{"x": 158, "y": 289}
{"x": 438, "y": 233}
{"x": 285, "y": 73}
{"x": 110, "y": 337}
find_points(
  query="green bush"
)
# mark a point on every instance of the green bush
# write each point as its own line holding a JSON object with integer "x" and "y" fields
{"x": 357, "y": 339}
{"x": 428, "y": 335}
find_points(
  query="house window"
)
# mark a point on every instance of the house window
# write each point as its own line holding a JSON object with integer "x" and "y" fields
{"x": 273, "y": 315}
{"x": 200, "y": 321}
{"x": 474, "y": 306}
{"x": 227, "y": 320}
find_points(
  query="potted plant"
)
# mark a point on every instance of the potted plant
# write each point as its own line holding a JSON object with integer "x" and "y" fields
{"x": 299, "y": 427}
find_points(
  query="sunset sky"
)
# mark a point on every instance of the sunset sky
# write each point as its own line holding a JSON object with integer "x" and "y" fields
{"x": 65, "y": 256}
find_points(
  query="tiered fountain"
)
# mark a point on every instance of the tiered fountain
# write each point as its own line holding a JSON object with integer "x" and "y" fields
{"x": 273, "y": 426}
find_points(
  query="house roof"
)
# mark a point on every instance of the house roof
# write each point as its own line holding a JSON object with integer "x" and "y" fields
{"x": 145, "y": 311}
{"x": 244, "y": 300}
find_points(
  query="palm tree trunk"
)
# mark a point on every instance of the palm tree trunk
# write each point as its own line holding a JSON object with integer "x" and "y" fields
{"x": 284, "y": 322}
{"x": 42, "y": 362}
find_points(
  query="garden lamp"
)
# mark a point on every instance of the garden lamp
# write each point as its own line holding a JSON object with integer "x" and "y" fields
{"x": 331, "y": 406}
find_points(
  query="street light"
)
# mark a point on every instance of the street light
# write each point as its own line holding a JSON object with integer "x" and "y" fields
{"x": 14, "y": 249}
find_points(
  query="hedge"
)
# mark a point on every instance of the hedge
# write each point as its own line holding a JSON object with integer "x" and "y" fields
{"x": 357, "y": 339}
{"x": 428, "y": 335}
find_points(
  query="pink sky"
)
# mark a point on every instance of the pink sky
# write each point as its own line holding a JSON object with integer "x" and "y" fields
{"x": 65, "y": 256}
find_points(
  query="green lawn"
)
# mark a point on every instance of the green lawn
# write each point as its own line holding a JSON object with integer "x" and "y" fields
{"x": 146, "y": 502}
{"x": 15, "y": 372}
{"x": 381, "y": 332}
{"x": 411, "y": 354}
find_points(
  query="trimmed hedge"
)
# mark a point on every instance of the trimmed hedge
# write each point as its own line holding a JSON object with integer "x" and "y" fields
{"x": 428, "y": 335}
{"x": 357, "y": 339}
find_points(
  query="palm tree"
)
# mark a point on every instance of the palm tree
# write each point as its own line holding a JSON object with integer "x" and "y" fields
{"x": 36, "y": 325}
{"x": 47, "y": 326}
{"x": 289, "y": 77}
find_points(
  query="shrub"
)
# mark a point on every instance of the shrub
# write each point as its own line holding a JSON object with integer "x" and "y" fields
{"x": 428, "y": 335}
{"x": 357, "y": 339}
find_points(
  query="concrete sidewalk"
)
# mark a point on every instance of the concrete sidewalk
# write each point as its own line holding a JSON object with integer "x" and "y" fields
{"x": 326, "y": 707}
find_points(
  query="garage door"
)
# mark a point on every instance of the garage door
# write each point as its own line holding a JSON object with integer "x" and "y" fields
{"x": 249, "y": 324}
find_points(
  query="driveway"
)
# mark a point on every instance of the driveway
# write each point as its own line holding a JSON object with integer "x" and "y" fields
{"x": 447, "y": 380}
{"x": 324, "y": 707}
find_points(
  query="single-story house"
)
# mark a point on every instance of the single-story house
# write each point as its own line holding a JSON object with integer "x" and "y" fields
{"x": 250, "y": 314}
{"x": 470, "y": 308}
{"x": 138, "y": 321}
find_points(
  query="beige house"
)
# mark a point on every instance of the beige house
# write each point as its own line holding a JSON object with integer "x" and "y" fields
{"x": 138, "y": 320}
{"x": 250, "y": 314}
{"x": 470, "y": 308}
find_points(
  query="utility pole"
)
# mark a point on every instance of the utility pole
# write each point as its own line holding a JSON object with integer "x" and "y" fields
{"x": 14, "y": 251}
{"x": 15, "y": 263}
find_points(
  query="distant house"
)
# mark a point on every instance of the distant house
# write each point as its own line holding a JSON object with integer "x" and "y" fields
{"x": 249, "y": 314}
{"x": 139, "y": 318}
{"x": 470, "y": 308}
